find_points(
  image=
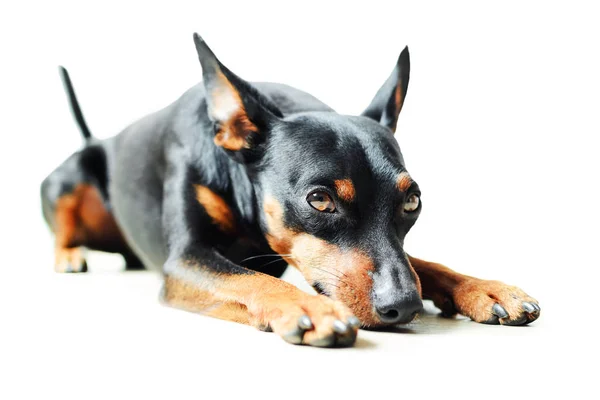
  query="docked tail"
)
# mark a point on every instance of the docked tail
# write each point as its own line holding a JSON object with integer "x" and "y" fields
{"x": 75, "y": 110}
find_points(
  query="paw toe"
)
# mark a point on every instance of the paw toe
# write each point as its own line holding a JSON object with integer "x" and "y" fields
{"x": 319, "y": 322}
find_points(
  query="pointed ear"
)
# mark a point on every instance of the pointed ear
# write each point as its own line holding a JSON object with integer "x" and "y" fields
{"x": 240, "y": 113}
{"x": 388, "y": 101}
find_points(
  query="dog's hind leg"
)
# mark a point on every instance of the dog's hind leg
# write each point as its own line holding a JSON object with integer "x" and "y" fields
{"x": 66, "y": 227}
{"x": 78, "y": 217}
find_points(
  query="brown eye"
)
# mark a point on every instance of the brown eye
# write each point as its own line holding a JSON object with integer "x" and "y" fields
{"x": 321, "y": 201}
{"x": 412, "y": 203}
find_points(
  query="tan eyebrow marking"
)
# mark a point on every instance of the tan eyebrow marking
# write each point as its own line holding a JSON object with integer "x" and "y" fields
{"x": 404, "y": 181}
{"x": 345, "y": 189}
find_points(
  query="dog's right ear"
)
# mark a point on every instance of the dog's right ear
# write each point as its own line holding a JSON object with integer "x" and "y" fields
{"x": 241, "y": 114}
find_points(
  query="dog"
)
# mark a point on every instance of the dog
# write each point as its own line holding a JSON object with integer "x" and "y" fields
{"x": 234, "y": 181}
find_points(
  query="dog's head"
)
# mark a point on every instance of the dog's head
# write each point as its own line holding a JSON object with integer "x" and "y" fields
{"x": 336, "y": 200}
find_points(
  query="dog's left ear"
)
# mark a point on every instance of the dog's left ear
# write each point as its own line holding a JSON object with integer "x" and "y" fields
{"x": 388, "y": 101}
{"x": 241, "y": 114}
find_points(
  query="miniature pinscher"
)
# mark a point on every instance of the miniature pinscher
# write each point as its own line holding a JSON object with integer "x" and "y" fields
{"x": 225, "y": 187}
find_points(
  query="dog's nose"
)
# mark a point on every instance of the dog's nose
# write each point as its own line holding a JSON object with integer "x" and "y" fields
{"x": 399, "y": 311}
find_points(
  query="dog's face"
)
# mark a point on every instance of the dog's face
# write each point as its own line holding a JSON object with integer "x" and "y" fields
{"x": 336, "y": 200}
{"x": 337, "y": 204}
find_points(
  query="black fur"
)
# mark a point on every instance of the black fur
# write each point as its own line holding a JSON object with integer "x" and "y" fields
{"x": 74, "y": 104}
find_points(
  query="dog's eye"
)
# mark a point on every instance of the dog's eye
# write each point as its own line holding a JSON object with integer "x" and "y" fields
{"x": 412, "y": 203}
{"x": 321, "y": 201}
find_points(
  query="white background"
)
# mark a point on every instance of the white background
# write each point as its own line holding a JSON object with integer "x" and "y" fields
{"x": 499, "y": 128}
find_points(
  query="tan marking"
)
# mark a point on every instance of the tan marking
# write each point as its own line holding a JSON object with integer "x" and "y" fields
{"x": 216, "y": 208}
{"x": 80, "y": 219}
{"x": 345, "y": 274}
{"x": 472, "y": 297}
{"x": 398, "y": 96}
{"x": 181, "y": 294}
{"x": 255, "y": 299}
{"x": 416, "y": 276}
{"x": 99, "y": 224}
{"x": 345, "y": 189}
{"x": 398, "y": 100}
{"x": 66, "y": 222}
{"x": 404, "y": 181}
{"x": 228, "y": 109}
{"x": 355, "y": 286}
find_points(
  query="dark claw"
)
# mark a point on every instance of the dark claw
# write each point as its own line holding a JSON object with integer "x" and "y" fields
{"x": 340, "y": 327}
{"x": 499, "y": 311}
{"x": 354, "y": 322}
{"x": 528, "y": 307}
{"x": 294, "y": 336}
{"x": 305, "y": 323}
{"x": 537, "y": 308}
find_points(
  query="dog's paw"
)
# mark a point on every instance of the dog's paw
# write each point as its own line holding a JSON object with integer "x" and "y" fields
{"x": 493, "y": 302}
{"x": 315, "y": 321}
{"x": 70, "y": 260}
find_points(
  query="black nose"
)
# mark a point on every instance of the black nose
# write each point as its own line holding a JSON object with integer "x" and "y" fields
{"x": 399, "y": 311}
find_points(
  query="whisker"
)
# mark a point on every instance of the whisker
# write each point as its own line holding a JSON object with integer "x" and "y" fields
{"x": 341, "y": 272}
{"x": 331, "y": 273}
{"x": 329, "y": 283}
{"x": 265, "y": 255}
{"x": 337, "y": 279}
{"x": 271, "y": 262}
{"x": 336, "y": 270}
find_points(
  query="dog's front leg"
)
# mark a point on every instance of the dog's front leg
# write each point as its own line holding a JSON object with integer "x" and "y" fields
{"x": 490, "y": 302}
{"x": 210, "y": 284}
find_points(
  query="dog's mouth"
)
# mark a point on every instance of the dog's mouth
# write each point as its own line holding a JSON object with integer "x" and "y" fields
{"x": 348, "y": 276}
{"x": 354, "y": 287}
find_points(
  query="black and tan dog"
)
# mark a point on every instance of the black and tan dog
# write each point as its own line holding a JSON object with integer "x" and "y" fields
{"x": 235, "y": 180}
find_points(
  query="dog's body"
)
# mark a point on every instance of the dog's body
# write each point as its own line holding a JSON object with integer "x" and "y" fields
{"x": 222, "y": 186}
